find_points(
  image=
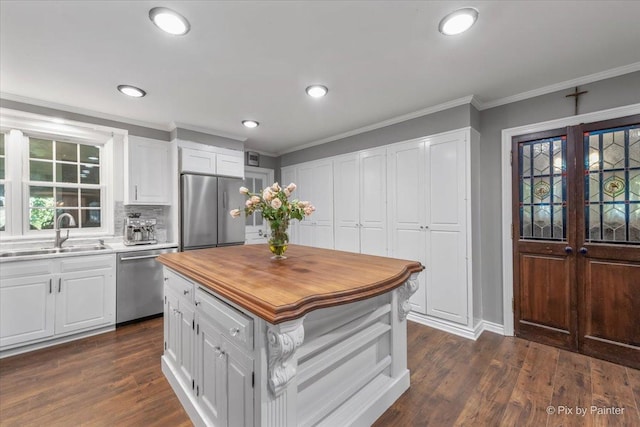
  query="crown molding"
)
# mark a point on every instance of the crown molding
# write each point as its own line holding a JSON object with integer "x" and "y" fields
{"x": 83, "y": 111}
{"x": 614, "y": 72}
{"x": 208, "y": 131}
{"x": 392, "y": 121}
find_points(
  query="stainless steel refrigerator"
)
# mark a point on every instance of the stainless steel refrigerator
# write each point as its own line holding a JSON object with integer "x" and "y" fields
{"x": 205, "y": 202}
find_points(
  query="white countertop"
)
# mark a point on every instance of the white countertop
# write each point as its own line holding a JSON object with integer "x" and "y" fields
{"x": 113, "y": 246}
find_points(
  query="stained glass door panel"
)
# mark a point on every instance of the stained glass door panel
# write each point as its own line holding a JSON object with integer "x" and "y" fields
{"x": 612, "y": 185}
{"x": 543, "y": 189}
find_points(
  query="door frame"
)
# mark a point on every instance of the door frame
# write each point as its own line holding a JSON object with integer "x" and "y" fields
{"x": 507, "y": 228}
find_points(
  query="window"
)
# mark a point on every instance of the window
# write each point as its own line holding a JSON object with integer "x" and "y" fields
{"x": 63, "y": 177}
{"x": 3, "y": 213}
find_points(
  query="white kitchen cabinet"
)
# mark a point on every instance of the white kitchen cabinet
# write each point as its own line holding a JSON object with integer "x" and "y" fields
{"x": 172, "y": 326}
{"x": 85, "y": 295}
{"x": 315, "y": 184}
{"x": 148, "y": 172}
{"x": 27, "y": 302}
{"x": 225, "y": 362}
{"x": 428, "y": 194}
{"x": 230, "y": 164}
{"x": 197, "y": 161}
{"x": 179, "y": 312}
{"x": 211, "y": 357}
{"x": 48, "y": 299}
{"x": 360, "y": 202}
{"x": 210, "y": 160}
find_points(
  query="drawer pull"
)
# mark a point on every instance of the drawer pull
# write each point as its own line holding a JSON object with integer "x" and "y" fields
{"x": 197, "y": 303}
{"x": 234, "y": 332}
{"x": 185, "y": 292}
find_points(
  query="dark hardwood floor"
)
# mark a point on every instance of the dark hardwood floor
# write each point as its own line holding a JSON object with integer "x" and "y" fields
{"x": 114, "y": 379}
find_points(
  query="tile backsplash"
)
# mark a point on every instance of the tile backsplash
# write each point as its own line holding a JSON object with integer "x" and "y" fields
{"x": 161, "y": 213}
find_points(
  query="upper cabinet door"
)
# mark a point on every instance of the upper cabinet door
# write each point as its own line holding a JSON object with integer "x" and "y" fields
{"x": 197, "y": 161}
{"x": 148, "y": 172}
{"x": 230, "y": 164}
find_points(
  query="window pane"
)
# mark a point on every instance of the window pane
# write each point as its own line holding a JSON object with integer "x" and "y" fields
{"x": 41, "y": 197}
{"x": 90, "y": 198}
{"x": 89, "y": 154}
{"x": 67, "y": 197}
{"x": 1, "y": 144}
{"x": 1, "y": 167}
{"x": 40, "y": 171}
{"x": 40, "y": 149}
{"x": 66, "y": 151}
{"x": 65, "y": 221}
{"x": 40, "y": 219}
{"x": 90, "y": 174}
{"x": 66, "y": 173}
{"x": 91, "y": 218}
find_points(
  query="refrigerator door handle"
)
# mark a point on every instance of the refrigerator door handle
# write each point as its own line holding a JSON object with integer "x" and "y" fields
{"x": 224, "y": 199}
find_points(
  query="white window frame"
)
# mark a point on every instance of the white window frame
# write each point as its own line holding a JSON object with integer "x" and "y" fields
{"x": 26, "y": 183}
{"x": 17, "y": 124}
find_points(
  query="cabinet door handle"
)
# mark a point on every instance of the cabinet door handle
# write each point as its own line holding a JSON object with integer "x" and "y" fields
{"x": 197, "y": 303}
{"x": 59, "y": 284}
{"x": 234, "y": 331}
{"x": 185, "y": 292}
{"x": 50, "y": 286}
{"x": 136, "y": 190}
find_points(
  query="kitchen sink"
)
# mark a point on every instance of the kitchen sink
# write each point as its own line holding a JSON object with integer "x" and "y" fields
{"x": 45, "y": 251}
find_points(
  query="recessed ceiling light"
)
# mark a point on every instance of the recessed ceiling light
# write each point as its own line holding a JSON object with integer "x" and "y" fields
{"x": 317, "y": 91}
{"x": 169, "y": 21}
{"x": 132, "y": 91}
{"x": 458, "y": 21}
{"x": 250, "y": 124}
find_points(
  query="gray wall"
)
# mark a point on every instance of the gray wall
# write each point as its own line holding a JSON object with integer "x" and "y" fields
{"x": 610, "y": 93}
{"x": 132, "y": 129}
{"x": 442, "y": 121}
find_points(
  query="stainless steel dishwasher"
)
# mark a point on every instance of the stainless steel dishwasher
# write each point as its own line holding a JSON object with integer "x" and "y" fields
{"x": 139, "y": 284}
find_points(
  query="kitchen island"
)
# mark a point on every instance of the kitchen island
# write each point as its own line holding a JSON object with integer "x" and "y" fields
{"x": 318, "y": 338}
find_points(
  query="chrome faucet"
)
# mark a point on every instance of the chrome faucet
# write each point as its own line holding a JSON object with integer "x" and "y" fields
{"x": 72, "y": 223}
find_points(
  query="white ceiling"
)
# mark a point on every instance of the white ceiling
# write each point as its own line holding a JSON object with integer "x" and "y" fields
{"x": 253, "y": 59}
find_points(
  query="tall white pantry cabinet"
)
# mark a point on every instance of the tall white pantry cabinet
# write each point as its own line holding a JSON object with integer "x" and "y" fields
{"x": 413, "y": 200}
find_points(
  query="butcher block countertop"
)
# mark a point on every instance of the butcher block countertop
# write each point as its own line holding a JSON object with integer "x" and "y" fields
{"x": 282, "y": 290}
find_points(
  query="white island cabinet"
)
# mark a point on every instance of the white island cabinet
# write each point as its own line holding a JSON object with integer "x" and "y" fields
{"x": 317, "y": 339}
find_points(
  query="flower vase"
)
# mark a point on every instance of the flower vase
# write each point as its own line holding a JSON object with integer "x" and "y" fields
{"x": 279, "y": 239}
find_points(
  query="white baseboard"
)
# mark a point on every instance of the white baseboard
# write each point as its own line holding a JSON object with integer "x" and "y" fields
{"x": 455, "y": 329}
{"x": 496, "y": 328}
{"x": 55, "y": 341}
{"x": 443, "y": 325}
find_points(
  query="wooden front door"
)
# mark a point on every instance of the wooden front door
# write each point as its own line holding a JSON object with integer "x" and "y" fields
{"x": 576, "y": 216}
